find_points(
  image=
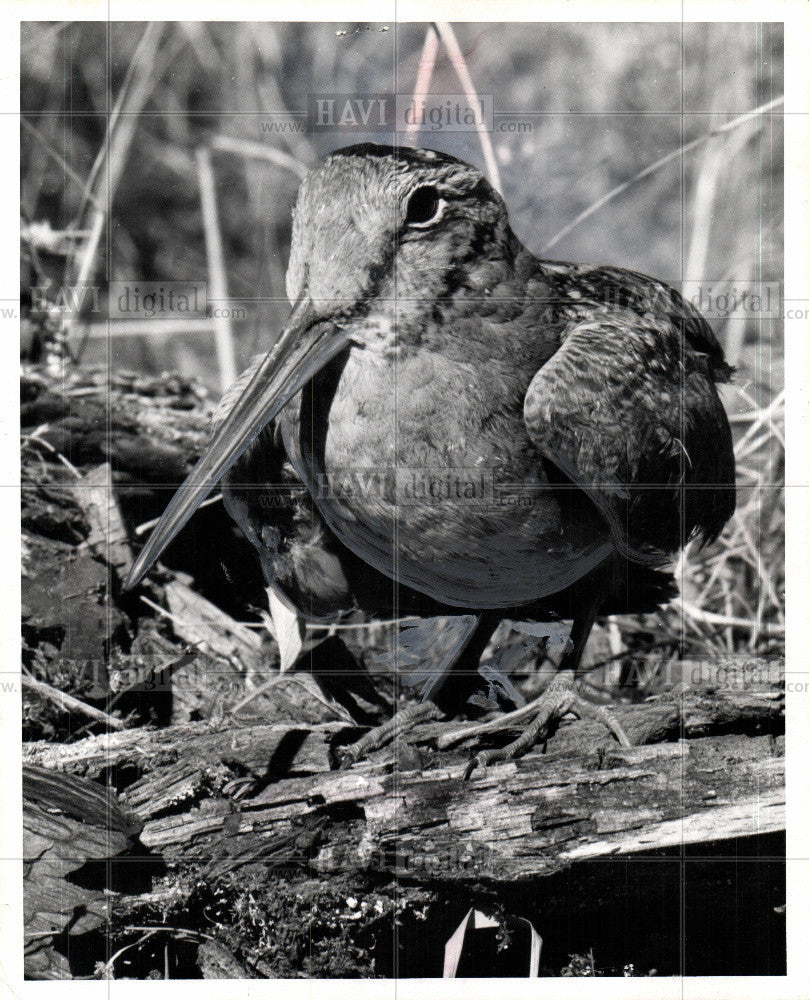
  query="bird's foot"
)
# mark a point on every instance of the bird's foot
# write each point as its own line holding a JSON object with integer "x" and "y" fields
{"x": 557, "y": 700}
{"x": 402, "y": 722}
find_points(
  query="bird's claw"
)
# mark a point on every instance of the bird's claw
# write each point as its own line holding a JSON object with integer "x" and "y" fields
{"x": 401, "y": 722}
{"x": 482, "y": 760}
{"x": 559, "y": 698}
{"x": 346, "y": 757}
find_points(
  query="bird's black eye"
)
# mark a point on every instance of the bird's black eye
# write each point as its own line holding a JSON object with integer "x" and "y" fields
{"x": 424, "y": 206}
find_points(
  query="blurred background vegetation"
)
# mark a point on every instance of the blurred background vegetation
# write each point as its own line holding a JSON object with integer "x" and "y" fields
{"x": 114, "y": 116}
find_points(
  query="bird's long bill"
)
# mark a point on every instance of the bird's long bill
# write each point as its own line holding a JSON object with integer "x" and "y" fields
{"x": 304, "y": 347}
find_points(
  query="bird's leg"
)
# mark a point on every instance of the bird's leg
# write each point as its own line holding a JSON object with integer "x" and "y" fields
{"x": 558, "y": 699}
{"x": 462, "y": 677}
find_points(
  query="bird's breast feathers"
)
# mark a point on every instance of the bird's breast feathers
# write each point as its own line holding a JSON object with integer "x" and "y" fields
{"x": 432, "y": 486}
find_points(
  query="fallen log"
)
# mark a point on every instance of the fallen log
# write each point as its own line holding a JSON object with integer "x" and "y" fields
{"x": 217, "y": 792}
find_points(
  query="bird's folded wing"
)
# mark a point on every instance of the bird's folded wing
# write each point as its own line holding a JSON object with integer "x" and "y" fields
{"x": 627, "y": 410}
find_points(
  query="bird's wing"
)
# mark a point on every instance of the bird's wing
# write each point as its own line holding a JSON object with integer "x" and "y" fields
{"x": 627, "y": 409}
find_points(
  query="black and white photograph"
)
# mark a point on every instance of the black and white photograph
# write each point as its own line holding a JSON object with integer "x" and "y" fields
{"x": 402, "y": 492}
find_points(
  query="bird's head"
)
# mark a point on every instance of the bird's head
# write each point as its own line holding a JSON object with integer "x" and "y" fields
{"x": 375, "y": 224}
{"x": 379, "y": 234}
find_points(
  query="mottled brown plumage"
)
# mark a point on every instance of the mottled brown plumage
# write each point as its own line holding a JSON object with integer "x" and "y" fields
{"x": 566, "y": 415}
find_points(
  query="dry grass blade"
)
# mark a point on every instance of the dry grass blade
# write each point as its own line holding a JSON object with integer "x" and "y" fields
{"x": 223, "y": 330}
{"x": 259, "y": 151}
{"x": 448, "y": 37}
{"x": 126, "y": 100}
{"x": 306, "y": 682}
{"x": 720, "y": 150}
{"x": 151, "y": 329}
{"x": 110, "y": 162}
{"x": 68, "y": 703}
{"x": 36, "y": 438}
{"x": 702, "y": 211}
{"x": 712, "y": 618}
{"x": 763, "y": 416}
{"x": 737, "y": 586}
{"x": 148, "y": 525}
{"x": 653, "y": 167}
{"x": 424, "y": 77}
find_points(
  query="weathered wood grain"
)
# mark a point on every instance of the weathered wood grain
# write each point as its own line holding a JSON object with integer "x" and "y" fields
{"x": 217, "y": 791}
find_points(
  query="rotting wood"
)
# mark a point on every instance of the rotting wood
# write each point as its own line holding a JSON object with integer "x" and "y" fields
{"x": 67, "y": 822}
{"x": 148, "y": 429}
{"x": 208, "y": 792}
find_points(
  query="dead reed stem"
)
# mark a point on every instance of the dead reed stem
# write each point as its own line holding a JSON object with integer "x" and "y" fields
{"x": 424, "y": 76}
{"x": 223, "y": 330}
{"x": 448, "y": 37}
{"x": 653, "y": 167}
{"x": 110, "y": 162}
{"x": 260, "y": 151}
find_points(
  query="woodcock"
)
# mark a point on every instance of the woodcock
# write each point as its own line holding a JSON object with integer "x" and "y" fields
{"x": 449, "y": 426}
